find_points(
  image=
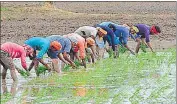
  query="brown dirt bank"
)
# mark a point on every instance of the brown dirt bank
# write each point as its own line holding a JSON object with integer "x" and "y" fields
{"x": 21, "y": 20}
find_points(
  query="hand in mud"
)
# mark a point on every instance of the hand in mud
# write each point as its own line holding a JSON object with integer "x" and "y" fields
{"x": 96, "y": 56}
{"x": 28, "y": 73}
{"x": 84, "y": 63}
{"x": 153, "y": 51}
{"x": 49, "y": 69}
{"x": 18, "y": 69}
{"x": 115, "y": 54}
{"x": 132, "y": 52}
{"x": 80, "y": 61}
{"x": 73, "y": 65}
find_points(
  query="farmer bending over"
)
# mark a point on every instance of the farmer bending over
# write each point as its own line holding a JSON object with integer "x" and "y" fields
{"x": 111, "y": 38}
{"x": 63, "y": 54}
{"x": 90, "y": 49}
{"x": 89, "y": 31}
{"x": 96, "y": 34}
{"x": 144, "y": 35}
{"x": 123, "y": 34}
{"x": 9, "y": 51}
{"x": 79, "y": 49}
{"x": 42, "y": 45}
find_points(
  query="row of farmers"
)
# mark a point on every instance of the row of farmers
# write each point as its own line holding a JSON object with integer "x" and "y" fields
{"x": 87, "y": 41}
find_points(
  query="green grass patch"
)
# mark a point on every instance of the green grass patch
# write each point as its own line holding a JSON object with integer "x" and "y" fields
{"x": 24, "y": 73}
{"x": 41, "y": 70}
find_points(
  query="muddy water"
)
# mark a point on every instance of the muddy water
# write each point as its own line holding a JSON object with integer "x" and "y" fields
{"x": 16, "y": 88}
{"x": 144, "y": 88}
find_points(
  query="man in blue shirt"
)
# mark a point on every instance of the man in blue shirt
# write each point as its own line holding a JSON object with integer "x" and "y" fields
{"x": 63, "y": 54}
{"x": 123, "y": 34}
{"x": 111, "y": 38}
{"x": 42, "y": 45}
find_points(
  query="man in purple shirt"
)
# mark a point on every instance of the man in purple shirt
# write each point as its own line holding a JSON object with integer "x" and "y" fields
{"x": 144, "y": 35}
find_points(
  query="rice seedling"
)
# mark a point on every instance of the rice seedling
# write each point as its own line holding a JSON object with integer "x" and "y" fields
{"x": 129, "y": 79}
{"x": 23, "y": 73}
{"x": 122, "y": 49}
{"x": 6, "y": 97}
{"x": 110, "y": 52}
{"x": 67, "y": 67}
{"x": 41, "y": 70}
{"x": 143, "y": 47}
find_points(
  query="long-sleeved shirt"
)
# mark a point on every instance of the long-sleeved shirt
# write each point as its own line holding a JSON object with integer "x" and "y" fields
{"x": 123, "y": 33}
{"x": 15, "y": 51}
{"x": 81, "y": 44}
{"x": 107, "y": 24}
{"x": 87, "y": 31}
{"x": 110, "y": 37}
{"x": 39, "y": 43}
{"x": 144, "y": 30}
{"x": 99, "y": 42}
{"x": 65, "y": 42}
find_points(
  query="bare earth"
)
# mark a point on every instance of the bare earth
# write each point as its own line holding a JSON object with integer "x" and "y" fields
{"x": 21, "y": 20}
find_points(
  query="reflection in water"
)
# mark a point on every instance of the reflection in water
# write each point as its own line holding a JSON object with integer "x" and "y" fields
{"x": 12, "y": 90}
{"x": 31, "y": 93}
{"x": 80, "y": 91}
{"x": 90, "y": 90}
{"x": 34, "y": 91}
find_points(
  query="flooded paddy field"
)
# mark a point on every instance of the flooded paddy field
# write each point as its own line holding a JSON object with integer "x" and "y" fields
{"x": 149, "y": 78}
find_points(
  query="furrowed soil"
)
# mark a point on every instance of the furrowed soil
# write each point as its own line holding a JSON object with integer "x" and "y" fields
{"x": 148, "y": 78}
{"x": 22, "y": 20}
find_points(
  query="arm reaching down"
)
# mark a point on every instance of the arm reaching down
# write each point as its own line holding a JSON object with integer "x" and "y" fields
{"x": 149, "y": 45}
{"x": 65, "y": 56}
{"x": 23, "y": 61}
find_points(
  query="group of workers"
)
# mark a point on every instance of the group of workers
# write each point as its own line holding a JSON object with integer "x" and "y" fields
{"x": 87, "y": 41}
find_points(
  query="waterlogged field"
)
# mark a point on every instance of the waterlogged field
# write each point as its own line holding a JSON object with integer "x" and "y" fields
{"x": 148, "y": 78}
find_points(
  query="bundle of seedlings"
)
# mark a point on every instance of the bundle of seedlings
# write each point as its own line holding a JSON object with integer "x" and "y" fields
{"x": 41, "y": 70}
{"x": 143, "y": 47}
{"x": 67, "y": 67}
{"x": 122, "y": 49}
{"x": 110, "y": 52}
{"x": 23, "y": 73}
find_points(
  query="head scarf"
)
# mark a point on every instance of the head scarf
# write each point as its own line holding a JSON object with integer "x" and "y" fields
{"x": 56, "y": 45}
{"x": 29, "y": 50}
{"x": 153, "y": 30}
{"x": 90, "y": 41}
